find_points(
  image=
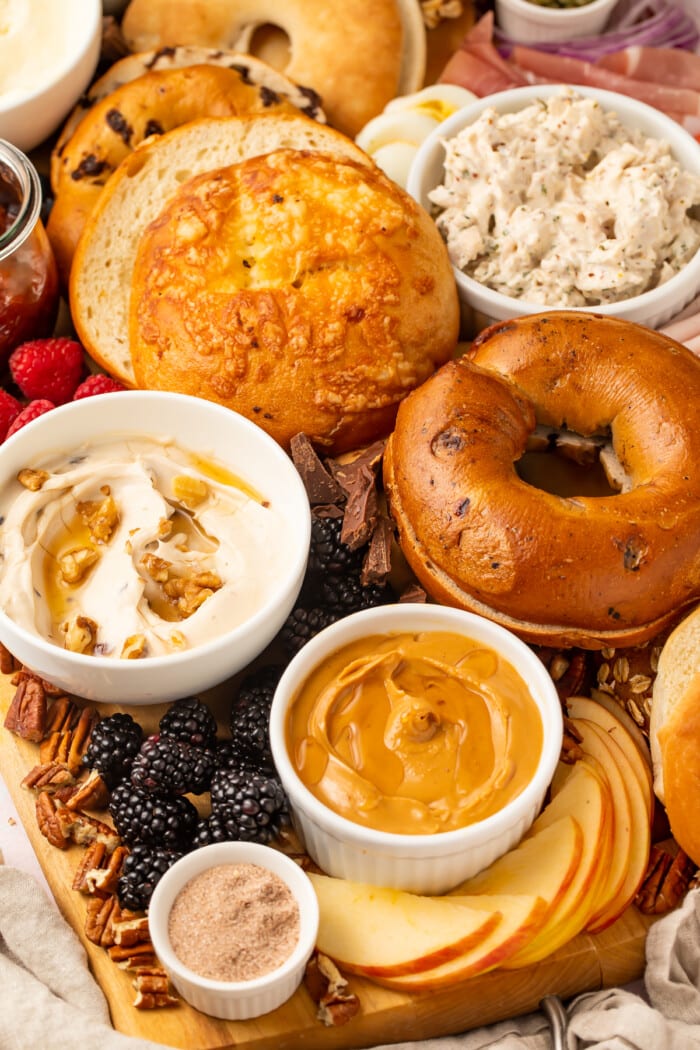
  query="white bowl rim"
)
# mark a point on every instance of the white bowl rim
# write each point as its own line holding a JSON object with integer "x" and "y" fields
{"x": 135, "y": 668}
{"x": 194, "y": 863}
{"x": 90, "y": 21}
{"x": 668, "y": 130}
{"x": 372, "y": 621}
{"x": 556, "y": 13}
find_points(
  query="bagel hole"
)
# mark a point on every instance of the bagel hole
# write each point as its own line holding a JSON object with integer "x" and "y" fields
{"x": 566, "y": 464}
{"x": 272, "y": 45}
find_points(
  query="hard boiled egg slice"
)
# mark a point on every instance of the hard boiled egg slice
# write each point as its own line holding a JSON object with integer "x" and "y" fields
{"x": 437, "y": 101}
{"x": 402, "y": 126}
{"x": 395, "y": 160}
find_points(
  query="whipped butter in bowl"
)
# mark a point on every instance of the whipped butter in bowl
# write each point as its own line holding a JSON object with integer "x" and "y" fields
{"x": 167, "y": 553}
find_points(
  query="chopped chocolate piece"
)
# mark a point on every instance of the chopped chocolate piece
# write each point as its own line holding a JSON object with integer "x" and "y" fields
{"x": 361, "y": 509}
{"x": 377, "y": 564}
{"x": 319, "y": 485}
{"x": 328, "y": 510}
{"x": 413, "y": 593}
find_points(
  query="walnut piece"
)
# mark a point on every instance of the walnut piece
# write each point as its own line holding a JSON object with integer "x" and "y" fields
{"x": 27, "y": 713}
{"x": 189, "y": 593}
{"x": 75, "y": 565}
{"x": 189, "y": 491}
{"x": 32, "y": 479}
{"x": 134, "y": 647}
{"x": 80, "y": 634}
{"x": 100, "y": 516}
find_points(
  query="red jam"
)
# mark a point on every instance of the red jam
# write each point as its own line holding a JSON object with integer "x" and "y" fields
{"x": 29, "y": 291}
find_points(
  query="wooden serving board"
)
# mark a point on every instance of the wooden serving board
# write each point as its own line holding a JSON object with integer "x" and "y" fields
{"x": 611, "y": 958}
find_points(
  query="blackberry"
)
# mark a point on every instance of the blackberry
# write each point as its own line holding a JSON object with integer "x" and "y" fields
{"x": 249, "y": 720}
{"x": 189, "y": 720}
{"x": 114, "y": 742}
{"x": 345, "y": 594}
{"x": 328, "y": 554}
{"x": 231, "y": 754}
{"x": 170, "y": 766}
{"x": 301, "y": 625}
{"x": 210, "y": 830}
{"x": 143, "y": 869}
{"x": 159, "y": 820}
{"x": 249, "y": 806}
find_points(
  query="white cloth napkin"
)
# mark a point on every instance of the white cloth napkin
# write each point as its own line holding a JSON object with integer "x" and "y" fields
{"x": 48, "y": 998}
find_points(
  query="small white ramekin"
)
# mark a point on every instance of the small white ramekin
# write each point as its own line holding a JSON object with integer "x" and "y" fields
{"x": 209, "y": 430}
{"x": 653, "y": 308}
{"x": 234, "y": 1000}
{"x": 530, "y": 23}
{"x": 419, "y": 863}
{"x": 27, "y": 118}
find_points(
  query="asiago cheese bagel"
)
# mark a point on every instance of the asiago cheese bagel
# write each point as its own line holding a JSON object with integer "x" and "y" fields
{"x": 303, "y": 290}
{"x": 589, "y": 571}
{"x": 150, "y": 105}
{"x": 350, "y": 51}
{"x": 100, "y": 284}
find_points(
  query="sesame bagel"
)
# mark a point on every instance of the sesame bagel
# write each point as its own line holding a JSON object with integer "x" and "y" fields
{"x": 588, "y": 571}
{"x": 149, "y": 105}
{"x": 350, "y": 51}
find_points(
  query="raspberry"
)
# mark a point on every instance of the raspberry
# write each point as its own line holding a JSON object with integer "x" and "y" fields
{"x": 48, "y": 369}
{"x": 97, "y": 384}
{"x": 32, "y": 411}
{"x": 10, "y": 408}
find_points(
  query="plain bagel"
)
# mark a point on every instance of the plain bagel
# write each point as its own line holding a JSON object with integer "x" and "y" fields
{"x": 152, "y": 104}
{"x": 584, "y": 571}
{"x": 350, "y": 51}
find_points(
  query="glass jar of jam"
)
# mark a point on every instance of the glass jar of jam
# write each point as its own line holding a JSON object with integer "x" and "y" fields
{"x": 29, "y": 291}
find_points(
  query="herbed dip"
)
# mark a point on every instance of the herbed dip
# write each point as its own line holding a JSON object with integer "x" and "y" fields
{"x": 415, "y": 733}
{"x": 134, "y": 547}
{"x": 560, "y": 204}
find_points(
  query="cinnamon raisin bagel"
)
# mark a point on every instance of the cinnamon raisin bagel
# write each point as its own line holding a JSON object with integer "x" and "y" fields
{"x": 588, "y": 571}
{"x": 151, "y": 104}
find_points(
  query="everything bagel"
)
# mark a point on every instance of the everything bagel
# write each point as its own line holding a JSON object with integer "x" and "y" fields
{"x": 586, "y": 571}
{"x": 109, "y": 132}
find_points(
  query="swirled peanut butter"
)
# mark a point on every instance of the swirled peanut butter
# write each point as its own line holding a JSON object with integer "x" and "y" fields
{"x": 415, "y": 733}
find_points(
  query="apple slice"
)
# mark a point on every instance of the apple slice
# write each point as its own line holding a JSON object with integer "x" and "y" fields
{"x": 637, "y": 856}
{"x": 383, "y": 932}
{"x": 584, "y": 795}
{"x": 522, "y": 918}
{"x": 597, "y": 755}
{"x": 584, "y": 707}
{"x": 542, "y": 865}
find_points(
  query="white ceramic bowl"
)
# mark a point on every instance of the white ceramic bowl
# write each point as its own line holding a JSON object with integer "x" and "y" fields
{"x": 28, "y": 115}
{"x": 201, "y": 427}
{"x": 234, "y": 1000}
{"x": 652, "y": 308}
{"x": 530, "y": 23}
{"x": 431, "y": 863}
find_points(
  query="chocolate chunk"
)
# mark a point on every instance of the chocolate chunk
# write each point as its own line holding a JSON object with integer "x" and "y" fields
{"x": 361, "y": 509}
{"x": 377, "y": 564}
{"x": 413, "y": 593}
{"x": 319, "y": 485}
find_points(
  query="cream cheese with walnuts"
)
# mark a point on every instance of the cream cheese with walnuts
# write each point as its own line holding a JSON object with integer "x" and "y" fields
{"x": 135, "y": 547}
{"x": 560, "y": 204}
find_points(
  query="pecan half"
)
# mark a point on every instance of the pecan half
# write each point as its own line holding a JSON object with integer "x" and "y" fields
{"x": 90, "y": 793}
{"x": 8, "y": 663}
{"x": 83, "y": 829}
{"x": 666, "y": 882}
{"x": 571, "y": 750}
{"x": 70, "y": 744}
{"x": 62, "y": 715}
{"x": 99, "y": 920}
{"x": 131, "y": 931}
{"x": 48, "y": 776}
{"x": 49, "y": 824}
{"x": 133, "y": 956}
{"x": 26, "y": 715}
{"x": 336, "y": 1004}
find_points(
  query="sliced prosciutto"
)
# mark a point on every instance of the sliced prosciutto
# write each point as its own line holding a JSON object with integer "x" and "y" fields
{"x": 660, "y": 65}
